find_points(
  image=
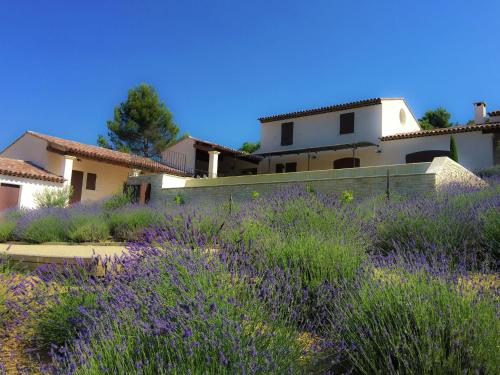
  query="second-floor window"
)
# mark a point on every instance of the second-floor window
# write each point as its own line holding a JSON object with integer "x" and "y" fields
{"x": 347, "y": 123}
{"x": 287, "y": 133}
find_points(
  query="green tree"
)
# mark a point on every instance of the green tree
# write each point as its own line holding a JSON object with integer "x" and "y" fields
{"x": 250, "y": 147}
{"x": 142, "y": 125}
{"x": 436, "y": 118}
{"x": 453, "y": 149}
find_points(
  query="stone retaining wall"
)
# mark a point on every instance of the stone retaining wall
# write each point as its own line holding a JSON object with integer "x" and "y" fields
{"x": 406, "y": 179}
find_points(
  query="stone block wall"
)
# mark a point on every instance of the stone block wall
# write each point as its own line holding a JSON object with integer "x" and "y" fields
{"x": 408, "y": 179}
{"x": 449, "y": 172}
{"x": 361, "y": 187}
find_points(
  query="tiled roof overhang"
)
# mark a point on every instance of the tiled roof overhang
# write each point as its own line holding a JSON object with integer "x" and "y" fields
{"x": 332, "y": 108}
{"x": 21, "y": 168}
{"x": 105, "y": 155}
{"x": 485, "y": 128}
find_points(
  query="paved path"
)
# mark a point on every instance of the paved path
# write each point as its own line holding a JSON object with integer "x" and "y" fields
{"x": 47, "y": 253}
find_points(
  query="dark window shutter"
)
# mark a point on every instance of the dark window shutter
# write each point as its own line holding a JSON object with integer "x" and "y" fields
{"x": 280, "y": 168}
{"x": 91, "y": 180}
{"x": 347, "y": 123}
{"x": 287, "y": 133}
{"x": 291, "y": 167}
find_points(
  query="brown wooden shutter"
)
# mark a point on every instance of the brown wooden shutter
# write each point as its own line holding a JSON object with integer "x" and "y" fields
{"x": 287, "y": 133}
{"x": 76, "y": 186}
{"x": 91, "y": 181}
{"x": 347, "y": 123}
{"x": 9, "y": 196}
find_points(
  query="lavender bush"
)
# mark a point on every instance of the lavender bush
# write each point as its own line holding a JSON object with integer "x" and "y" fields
{"x": 298, "y": 282}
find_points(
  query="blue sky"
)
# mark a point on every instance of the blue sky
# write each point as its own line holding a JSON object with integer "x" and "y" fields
{"x": 219, "y": 65}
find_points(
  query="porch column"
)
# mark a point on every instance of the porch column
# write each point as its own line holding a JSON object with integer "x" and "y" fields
{"x": 213, "y": 163}
{"x": 142, "y": 193}
{"x": 67, "y": 169}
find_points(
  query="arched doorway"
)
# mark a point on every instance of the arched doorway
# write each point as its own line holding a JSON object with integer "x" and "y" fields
{"x": 425, "y": 156}
{"x": 346, "y": 163}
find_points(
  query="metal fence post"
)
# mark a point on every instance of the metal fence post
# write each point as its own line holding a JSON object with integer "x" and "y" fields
{"x": 387, "y": 187}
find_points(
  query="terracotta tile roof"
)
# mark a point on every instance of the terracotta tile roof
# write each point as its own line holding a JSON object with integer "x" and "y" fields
{"x": 442, "y": 131}
{"x": 332, "y": 108}
{"x": 107, "y": 155}
{"x": 21, "y": 168}
{"x": 494, "y": 113}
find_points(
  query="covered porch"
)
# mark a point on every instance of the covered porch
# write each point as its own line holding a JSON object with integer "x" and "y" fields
{"x": 361, "y": 154}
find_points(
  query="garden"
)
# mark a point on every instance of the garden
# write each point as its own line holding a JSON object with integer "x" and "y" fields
{"x": 297, "y": 282}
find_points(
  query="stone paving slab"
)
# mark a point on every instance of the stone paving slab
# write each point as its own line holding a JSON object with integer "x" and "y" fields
{"x": 57, "y": 253}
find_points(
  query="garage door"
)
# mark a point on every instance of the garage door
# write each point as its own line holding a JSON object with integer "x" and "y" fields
{"x": 425, "y": 156}
{"x": 9, "y": 196}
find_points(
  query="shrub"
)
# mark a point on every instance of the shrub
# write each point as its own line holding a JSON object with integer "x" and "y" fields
{"x": 414, "y": 323}
{"x": 255, "y": 194}
{"x": 87, "y": 228}
{"x": 491, "y": 230}
{"x": 49, "y": 228}
{"x": 347, "y": 196}
{"x": 118, "y": 200}
{"x": 60, "y": 321}
{"x": 128, "y": 224}
{"x": 53, "y": 197}
{"x": 6, "y": 229}
{"x": 179, "y": 199}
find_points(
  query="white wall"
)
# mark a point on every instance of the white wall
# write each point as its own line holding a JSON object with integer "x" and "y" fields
{"x": 323, "y": 130}
{"x": 397, "y": 118}
{"x": 33, "y": 149}
{"x": 170, "y": 181}
{"x": 185, "y": 147}
{"x": 29, "y": 188}
{"x": 475, "y": 149}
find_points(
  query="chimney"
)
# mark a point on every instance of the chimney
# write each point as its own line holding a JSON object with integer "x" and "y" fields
{"x": 480, "y": 112}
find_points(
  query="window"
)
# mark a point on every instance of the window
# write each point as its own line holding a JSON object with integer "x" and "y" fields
{"x": 287, "y": 167}
{"x": 402, "y": 116}
{"x": 291, "y": 167}
{"x": 287, "y": 133}
{"x": 347, "y": 123}
{"x": 346, "y": 163}
{"x": 91, "y": 180}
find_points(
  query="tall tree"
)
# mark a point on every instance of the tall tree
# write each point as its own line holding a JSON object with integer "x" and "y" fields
{"x": 437, "y": 118}
{"x": 142, "y": 125}
{"x": 250, "y": 147}
{"x": 453, "y": 149}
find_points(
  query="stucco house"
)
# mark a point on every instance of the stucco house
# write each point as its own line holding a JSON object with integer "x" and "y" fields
{"x": 36, "y": 161}
{"x": 372, "y": 132}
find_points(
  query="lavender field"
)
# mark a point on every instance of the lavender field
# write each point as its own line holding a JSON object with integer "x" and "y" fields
{"x": 297, "y": 282}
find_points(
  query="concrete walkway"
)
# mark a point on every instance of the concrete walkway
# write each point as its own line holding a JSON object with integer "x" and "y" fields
{"x": 57, "y": 253}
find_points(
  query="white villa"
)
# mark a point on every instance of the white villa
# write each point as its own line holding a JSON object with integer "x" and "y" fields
{"x": 381, "y": 131}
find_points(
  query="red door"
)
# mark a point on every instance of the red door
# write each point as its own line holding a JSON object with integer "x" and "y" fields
{"x": 76, "y": 186}
{"x": 9, "y": 196}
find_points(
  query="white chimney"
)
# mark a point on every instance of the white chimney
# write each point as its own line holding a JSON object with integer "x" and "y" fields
{"x": 480, "y": 112}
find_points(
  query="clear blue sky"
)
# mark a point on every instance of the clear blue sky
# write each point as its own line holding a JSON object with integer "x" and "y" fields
{"x": 219, "y": 65}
